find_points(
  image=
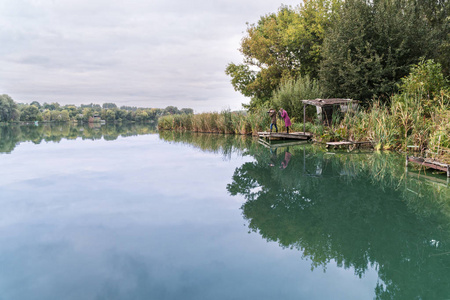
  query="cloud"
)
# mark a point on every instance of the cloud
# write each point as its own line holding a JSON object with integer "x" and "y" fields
{"x": 144, "y": 53}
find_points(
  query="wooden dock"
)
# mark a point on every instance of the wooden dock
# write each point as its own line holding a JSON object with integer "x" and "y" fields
{"x": 429, "y": 163}
{"x": 286, "y": 136}
{"x": 347, "y": 143}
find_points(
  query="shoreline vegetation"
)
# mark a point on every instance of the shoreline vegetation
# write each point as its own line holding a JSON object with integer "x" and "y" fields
{"x": 391, "y": 56}
{"x": 417, "y": 118}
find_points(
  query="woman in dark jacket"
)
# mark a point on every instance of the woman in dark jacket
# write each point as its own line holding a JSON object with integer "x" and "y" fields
{"x": 273, "y": 114}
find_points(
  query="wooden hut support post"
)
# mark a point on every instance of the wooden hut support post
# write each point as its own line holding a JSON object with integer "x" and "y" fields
{"x": 304, "y": 116}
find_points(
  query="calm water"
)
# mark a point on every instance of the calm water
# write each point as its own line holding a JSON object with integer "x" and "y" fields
{"x": 123, "y": 212}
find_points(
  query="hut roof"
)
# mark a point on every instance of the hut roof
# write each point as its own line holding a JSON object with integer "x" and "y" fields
{"x": 328, "y": 102}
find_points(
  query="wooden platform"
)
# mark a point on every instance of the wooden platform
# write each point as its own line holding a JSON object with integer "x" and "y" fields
{"x": 286, "y": 136}
{"x": 347, "y": 143}
{"x": 429, "y": 163}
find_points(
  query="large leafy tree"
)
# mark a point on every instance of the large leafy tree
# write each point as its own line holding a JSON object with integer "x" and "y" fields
{"x": 372, "y": 45}
{"x": 8, "y": 109}
{"x": 280, "y": 47}
{"x": 437, "y": 13}
{"x": 30, "y": 113}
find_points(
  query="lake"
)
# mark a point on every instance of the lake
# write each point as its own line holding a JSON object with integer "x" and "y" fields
{"x": 125, "y": 212}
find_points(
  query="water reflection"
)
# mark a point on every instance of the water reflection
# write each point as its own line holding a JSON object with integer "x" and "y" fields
{"x": 357, "y": 209}
{"x": 361, "y": 210}
{"x": 12, "y": 135}
{"x": 221, "y": 144}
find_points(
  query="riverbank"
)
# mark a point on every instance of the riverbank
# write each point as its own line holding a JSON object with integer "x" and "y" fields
{"x": 407, "y": 124}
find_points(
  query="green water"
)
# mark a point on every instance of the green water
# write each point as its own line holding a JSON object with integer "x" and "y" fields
{"x": 124, "y": 212}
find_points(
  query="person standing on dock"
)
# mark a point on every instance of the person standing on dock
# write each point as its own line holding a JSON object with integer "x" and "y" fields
{"x": 287, "y": 120}
{"x": 273, "y": 114}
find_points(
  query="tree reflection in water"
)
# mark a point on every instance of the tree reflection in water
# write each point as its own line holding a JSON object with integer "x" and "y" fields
{"x": 13, "y": 135}
{"x": 357, "y": 209}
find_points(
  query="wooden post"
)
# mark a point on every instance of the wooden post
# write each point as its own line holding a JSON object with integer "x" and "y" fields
{"x": 448, "y": 170}
{"x": 304, "y": 117}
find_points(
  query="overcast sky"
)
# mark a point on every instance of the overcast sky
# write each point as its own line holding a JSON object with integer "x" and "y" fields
{"x": 146, "y": 53}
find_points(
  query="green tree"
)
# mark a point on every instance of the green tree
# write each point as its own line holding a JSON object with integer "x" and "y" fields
{"x": 110, "y": 115}
{"x": 316, "y": 17}
{"x": 51, "y": 106}
{"x": 141, "y": 115}
{"x": 371, "y": 45}
{"x": 242, "y": 78}
{"x": 8, "y": 109}
{"x": 121, "y": 114}
{"x": 171, "y": 110}
{"x": 425, "y": 80}
{"x": 72, "y": 109}
{"x": 55, "y": 115}
{"x": 87, "y": 113}
{"x": 187, "y": 111}
{"x": 109, "y": 105}
{"x": 281, "y": 46}
{"x": 30, "y": 113}
{"x": 437, "y": 13}
{"x": 47, "y": 115}
{"x": 64, "y": 116}
{"x": 37, "y": 104}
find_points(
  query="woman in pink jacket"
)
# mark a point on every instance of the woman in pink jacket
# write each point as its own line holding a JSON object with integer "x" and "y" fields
{"x": 287, "y": 120}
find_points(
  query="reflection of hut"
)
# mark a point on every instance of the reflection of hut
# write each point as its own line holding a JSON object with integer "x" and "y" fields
{"x": 327, "y": 107}
{"x": 95, "y": 118}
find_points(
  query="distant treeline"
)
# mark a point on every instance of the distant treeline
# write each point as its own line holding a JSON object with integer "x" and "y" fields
{"x": 11, "y": 111}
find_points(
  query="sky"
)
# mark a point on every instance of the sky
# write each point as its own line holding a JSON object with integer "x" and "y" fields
{"x": 144, "y": 53}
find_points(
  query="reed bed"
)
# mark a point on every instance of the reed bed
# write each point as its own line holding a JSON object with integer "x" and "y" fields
{"x": 224, "y": 122}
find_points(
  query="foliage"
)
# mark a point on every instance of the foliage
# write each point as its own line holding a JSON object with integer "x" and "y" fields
{"x": 10, "y": 111}
{"x": 425, "y": 80}
{"x": 30, "y": 113}
{"x": 418, "y": 116}
{"x": 316, "y": 16}
{"x": 372, "y": 45}
{"x": 360, "y": 49}
{"x": 290, "y": 94}
{"x": 281, "y": 46}
{"x": 242, "y": 78}
{"x": 437, "y": 13}
{"x": 109, "y": 105}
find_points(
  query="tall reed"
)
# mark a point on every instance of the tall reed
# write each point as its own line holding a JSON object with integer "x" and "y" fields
{"x": 223, "y": 122}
